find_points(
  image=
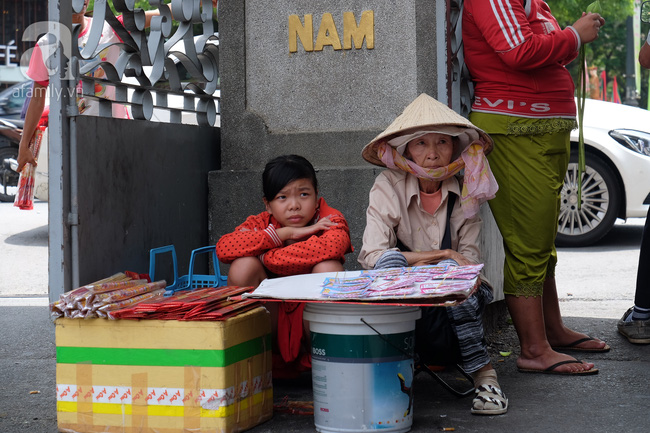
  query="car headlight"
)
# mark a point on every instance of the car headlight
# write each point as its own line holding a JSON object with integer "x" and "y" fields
{"x": 637, "y": 141}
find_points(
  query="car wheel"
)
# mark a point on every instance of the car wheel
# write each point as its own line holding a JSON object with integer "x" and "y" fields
{"x": 600, "y": 203}
{"x": 8, "y": 177}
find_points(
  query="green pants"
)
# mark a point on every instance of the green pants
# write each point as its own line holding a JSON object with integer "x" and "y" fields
{"x": 530, "y": 170}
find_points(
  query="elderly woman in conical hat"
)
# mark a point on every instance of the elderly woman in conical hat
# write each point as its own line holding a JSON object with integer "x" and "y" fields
{"x": 419, "y": 213}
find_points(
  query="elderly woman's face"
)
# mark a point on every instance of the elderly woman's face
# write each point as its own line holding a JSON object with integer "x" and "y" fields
{"x": 431, "y": 150}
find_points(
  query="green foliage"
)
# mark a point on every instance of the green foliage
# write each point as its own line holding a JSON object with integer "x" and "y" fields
{"x": 566, "y": 12}
{"x": 142, "y": 4}
{"x": 595, "y": 7}
{"x": 609, "y": 50}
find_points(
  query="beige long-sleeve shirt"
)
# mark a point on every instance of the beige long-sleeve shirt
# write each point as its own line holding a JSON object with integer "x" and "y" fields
{"x": 395, "y": 212}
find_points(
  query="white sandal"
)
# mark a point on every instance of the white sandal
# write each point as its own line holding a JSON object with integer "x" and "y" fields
{"x": 489, "y": 400}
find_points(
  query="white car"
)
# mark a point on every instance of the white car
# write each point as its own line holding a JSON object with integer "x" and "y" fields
{"x": 616, "y": 182}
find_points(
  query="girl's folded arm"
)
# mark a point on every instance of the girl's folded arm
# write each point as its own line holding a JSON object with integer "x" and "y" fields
{"x": 302, "y": 256}
{"x": 250, "y": 239}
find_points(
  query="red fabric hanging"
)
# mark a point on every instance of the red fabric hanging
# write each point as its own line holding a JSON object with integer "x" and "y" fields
{"x": 291, "y": 361}
{"x": 290, "y": 329}
{"x": 615, "y": 96}
{"x": 603, "y": 78}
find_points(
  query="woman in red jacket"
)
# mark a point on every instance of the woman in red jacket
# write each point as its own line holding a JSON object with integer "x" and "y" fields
{"x": 516, "y": 51}
{"x": 298, "y": 234}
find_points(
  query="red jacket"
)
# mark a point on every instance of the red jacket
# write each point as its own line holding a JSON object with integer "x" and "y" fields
{"x": 516, "y": 51}
{"x": 256, "y": 237}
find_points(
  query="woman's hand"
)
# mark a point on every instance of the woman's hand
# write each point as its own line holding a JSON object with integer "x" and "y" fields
{"x": 295, "y": 234}
{"x": 33, "y": 116}
{"x": 588, "y": 26}
{"x": 25, "y": 155}
{"x": 424, "y": 258}
{"x": 459, "y": 258}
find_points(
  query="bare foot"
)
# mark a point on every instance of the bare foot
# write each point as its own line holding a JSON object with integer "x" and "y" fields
{"x": 566, "y": 337}
{"x": 549, "y": 358}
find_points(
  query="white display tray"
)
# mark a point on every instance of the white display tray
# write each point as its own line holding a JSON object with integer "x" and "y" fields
{"x": 308, "y": 288}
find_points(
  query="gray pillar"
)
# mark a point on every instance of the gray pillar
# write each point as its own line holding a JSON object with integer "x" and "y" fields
{"x": 294, "y": 80}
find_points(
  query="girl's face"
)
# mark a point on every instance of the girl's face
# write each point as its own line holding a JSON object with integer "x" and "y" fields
{"x": 431, "y": 150}
{"x": 295, "y": 205}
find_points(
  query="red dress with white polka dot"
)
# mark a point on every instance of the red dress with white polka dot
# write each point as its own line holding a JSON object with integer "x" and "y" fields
{"x": 256, "y": 237}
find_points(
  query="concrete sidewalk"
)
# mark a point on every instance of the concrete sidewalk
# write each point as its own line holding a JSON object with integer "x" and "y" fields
{"x": 613, "y": 401}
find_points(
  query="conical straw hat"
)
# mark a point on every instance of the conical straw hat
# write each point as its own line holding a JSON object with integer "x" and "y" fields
{"x": 426, "y": 114}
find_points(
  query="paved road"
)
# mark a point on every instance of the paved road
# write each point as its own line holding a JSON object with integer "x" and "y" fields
{"x": 599, "y": 281}
{"x": 23, "y": 250}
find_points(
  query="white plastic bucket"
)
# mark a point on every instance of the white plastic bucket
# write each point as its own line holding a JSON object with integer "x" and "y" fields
{"x": 360, "y": 381}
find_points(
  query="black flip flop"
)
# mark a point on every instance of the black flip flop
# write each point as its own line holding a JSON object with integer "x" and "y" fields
{"x": 574, "y": 347}
{"x": 551, "y": 369}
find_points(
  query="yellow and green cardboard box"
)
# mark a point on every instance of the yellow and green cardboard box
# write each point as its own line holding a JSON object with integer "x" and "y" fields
{"x": 154, "y": 376}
